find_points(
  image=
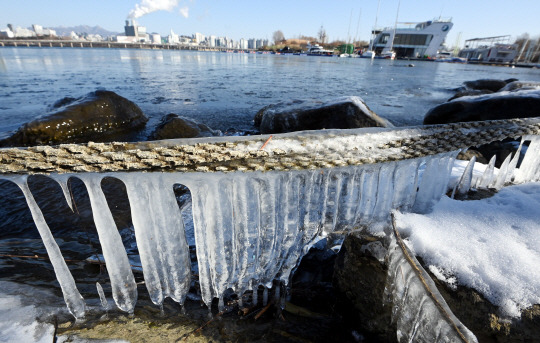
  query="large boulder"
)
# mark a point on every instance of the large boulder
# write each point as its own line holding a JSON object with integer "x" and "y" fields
{"x": 100, "y": 116}
{"x": 297, "y": 115}
{"x": 175, "y": 126}
{"x": 503, "y": 105}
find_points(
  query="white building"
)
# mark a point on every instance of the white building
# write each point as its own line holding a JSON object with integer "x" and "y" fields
{"x": 20, "y": 32}
{"x": 198, "y": 37}
{"x": 156, "y": 38}
{"x": 173, "y": 38}
{"x": 7, "y": 33}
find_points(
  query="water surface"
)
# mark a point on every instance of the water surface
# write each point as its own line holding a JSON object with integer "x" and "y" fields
{"x": 225, "y": 90}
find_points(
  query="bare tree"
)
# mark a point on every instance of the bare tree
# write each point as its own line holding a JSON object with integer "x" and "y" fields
{"x": 322, "y": 35}
{"x": 278, "y": 37}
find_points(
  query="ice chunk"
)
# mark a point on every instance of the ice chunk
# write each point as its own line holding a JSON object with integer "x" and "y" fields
{"x": 72, "y": 297}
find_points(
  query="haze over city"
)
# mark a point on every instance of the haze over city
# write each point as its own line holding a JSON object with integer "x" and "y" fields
{"x": 242, "y": 19}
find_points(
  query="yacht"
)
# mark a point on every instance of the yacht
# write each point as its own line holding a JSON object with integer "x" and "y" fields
{"x": 317, "y": 50}
{"x": 416, "y": 40}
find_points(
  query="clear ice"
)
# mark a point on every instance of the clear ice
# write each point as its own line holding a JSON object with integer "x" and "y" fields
{"x": 253, "y": 228}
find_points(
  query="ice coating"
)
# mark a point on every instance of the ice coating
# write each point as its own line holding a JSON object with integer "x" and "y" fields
{"x": 418, "y": 310}
{"x": 124, "y": 289}
{"x": 72, "y": 297}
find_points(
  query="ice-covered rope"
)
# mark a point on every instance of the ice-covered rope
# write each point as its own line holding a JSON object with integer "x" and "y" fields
{"x": 293, "y": 151}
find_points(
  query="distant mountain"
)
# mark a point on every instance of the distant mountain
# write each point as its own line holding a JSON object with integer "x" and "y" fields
{"x": 81, "y": 29}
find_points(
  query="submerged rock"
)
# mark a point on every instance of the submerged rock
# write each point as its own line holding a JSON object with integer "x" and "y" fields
{"x": 504, "y": 105}
{"x": 175, "y": 126}
{"x": 100, "y": 116}
{"x": 297, "y": 115}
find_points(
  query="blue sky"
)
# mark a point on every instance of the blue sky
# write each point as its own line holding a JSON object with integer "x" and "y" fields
{"x": 259, "y": 19}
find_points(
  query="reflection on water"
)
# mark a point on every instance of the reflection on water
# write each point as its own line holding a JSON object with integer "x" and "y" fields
{"x": 225, "y": 90}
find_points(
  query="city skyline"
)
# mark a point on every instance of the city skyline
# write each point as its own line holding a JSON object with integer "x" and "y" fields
{"x": 343, "y": 20}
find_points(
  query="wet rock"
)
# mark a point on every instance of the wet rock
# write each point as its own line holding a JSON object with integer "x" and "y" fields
{"x": 360, "y": 275}
{"x": 100, "y": 116}
{"x": 492, "y": 85}
{"x": 505, "y": 105}
{"x": 175, "y": 126}
{"x": 297, "y": 115}
{"x": 520, "y": 85}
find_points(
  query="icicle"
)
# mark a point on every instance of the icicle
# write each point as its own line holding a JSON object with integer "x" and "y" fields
{"x": 434, "y": 181}
{"x": 487, "y": 177}
{"x": 499, "y": 181}
{"x": 369, "y": 186}
{"x": 62, "y": 180}
{"x": 512, "y": 166}
{"x": 221, "y": 304}
{"x": 124, "y": 289}
{"x": 159, "y": 230}
{"x": 72, "y": 297}
{"x": 255, "y": 297}
{"x": 405, "y": 184}
{"x": 529, "y": 166}
{"x": 385, "y": 192}
{"x": 265, "y": 296}
{"x": 464, "y": 184}
{"x": 102, "y": 298}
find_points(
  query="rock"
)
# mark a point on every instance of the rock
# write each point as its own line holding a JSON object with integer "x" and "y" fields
{"x": 520, "y": 85}
{"x": 175, "y": 126}
{"x": 483, "y": 319}
{"x": 360, "y": 275}
{"x": 470, "y": 92}
{"x": 100, "y": 116}
{"x": 297, "y": 115}
{"x": 487, "y": 84}
{"x": 505, "y": 105}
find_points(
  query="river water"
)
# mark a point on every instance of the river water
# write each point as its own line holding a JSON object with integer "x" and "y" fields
{"x": 225, "y": 90}
{"x": 222, "y": 90}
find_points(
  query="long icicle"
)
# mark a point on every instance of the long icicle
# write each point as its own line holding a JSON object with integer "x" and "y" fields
{"x": 124, "y": 288}
{"x": 72, "y": 297}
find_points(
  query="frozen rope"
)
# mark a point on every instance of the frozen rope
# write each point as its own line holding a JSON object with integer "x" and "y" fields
{"x": 293, "y": 151}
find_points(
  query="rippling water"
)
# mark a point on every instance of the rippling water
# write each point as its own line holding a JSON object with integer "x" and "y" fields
{"x": 225, "y": 90}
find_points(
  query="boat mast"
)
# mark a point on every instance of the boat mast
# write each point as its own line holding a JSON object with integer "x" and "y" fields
{"x": 395, "y": 27}
{"x": 373, "y": 34}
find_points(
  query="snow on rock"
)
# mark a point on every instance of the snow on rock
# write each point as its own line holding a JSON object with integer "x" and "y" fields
{"x": 490, "y": 245}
